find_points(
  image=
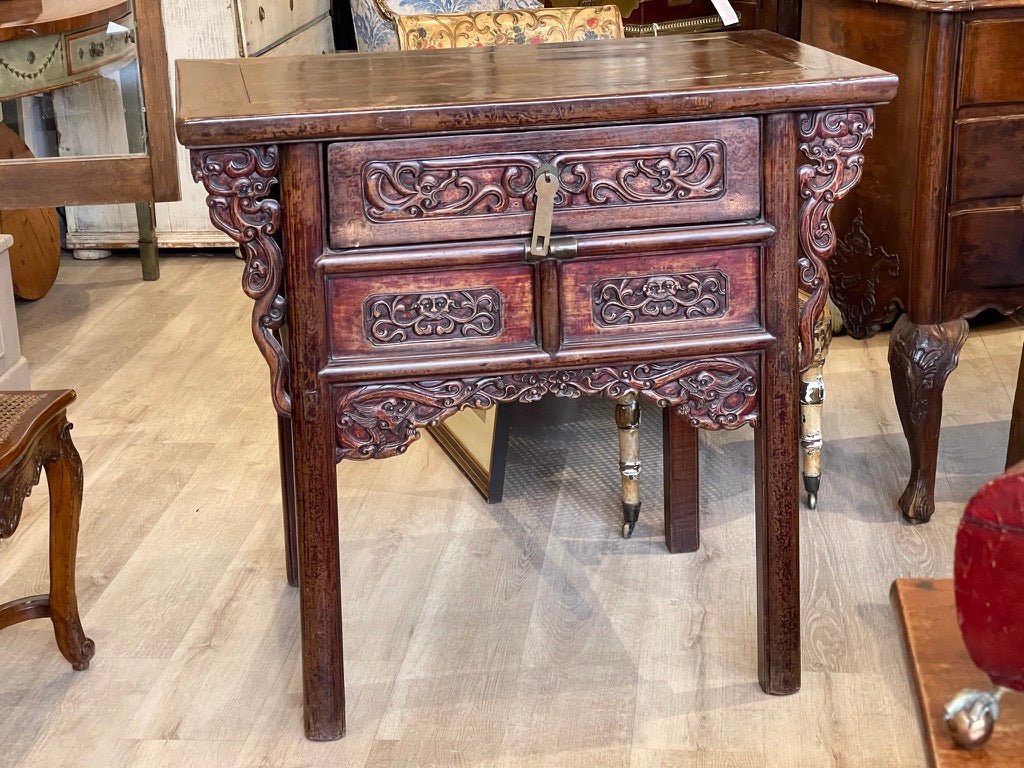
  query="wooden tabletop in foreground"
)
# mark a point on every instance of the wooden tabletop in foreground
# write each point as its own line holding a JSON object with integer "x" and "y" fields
{"x": 249, "y": 101}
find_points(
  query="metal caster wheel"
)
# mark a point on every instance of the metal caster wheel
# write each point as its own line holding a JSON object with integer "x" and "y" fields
{"x": 971, "y": 717}
{"x": 812, "y": 500}
{"x": 627, "y": 530}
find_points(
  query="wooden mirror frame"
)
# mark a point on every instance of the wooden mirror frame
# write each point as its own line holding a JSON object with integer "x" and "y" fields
{"x": 58, "y": 181}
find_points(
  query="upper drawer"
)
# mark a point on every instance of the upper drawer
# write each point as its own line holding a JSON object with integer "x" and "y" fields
{"x": 265, "y": 22}
{"x": 993, "y": 67}
{"x": 989, "y": 158}
{"x": 430, "y": 190}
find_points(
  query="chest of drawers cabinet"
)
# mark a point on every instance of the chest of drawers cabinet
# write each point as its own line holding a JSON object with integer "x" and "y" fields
{"x": 478, "y": 238}
{"x": 936, "y": 228}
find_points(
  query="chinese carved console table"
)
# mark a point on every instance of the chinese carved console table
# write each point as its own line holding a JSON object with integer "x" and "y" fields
{"x": 936, "y": 229}
{"x": 432, "y": 230}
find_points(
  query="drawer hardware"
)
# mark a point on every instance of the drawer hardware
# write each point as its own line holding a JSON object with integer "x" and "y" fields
{"x": 546, "y": 185}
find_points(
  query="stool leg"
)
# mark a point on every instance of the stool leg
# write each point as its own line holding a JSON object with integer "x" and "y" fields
{"x": 627, "y": 418}
{"x": 64, "y": 480}
{"x": 812, "y": 398}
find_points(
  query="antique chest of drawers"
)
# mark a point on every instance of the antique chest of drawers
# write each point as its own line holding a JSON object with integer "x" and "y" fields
{"x": 432, "y": 230}
{"x": 936, "y": 229}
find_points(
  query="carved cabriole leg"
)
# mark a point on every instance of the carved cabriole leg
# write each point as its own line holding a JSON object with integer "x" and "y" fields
{"x": 921, "y": 357}
{"x": 64, "y": 480}
{"x": 812, "y": 398}
{"x": 627, "y": 418}
{"x": 682, "y": 482}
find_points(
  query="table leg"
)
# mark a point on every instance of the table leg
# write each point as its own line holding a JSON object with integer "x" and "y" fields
{"x": 921, "y": 357}
{"x": 284, "y": 444}
{"x": 777, "y": 529}
{"x": 135, "y": 126}
{"x": 316, "y": 504}
{"x": 682, "y": 482}
{"x": 64, "y": 481}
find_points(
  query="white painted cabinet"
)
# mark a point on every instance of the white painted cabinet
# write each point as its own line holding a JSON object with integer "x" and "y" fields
{"x": 13, "y": 367}
{"x": 194, "y": 29}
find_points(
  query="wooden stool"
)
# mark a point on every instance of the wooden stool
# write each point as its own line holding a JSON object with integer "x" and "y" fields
{"x": 35, "y": 433}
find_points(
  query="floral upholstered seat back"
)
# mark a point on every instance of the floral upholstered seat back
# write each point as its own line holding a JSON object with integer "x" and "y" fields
{"x": 524, "y": 27}
{"x": 376, "y": 33}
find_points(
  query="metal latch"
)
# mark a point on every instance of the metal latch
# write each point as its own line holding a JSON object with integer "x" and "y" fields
{"x": 545, "y": 186}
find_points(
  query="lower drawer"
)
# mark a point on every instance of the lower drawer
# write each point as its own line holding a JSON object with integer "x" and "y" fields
{"x": 986, "y": 249}
{"x": 437, "y": 312}
{"x": 669, "y": 295}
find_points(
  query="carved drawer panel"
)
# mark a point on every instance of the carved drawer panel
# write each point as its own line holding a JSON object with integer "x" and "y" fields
{"x": 993, "y": 67}
{"x": 420, "y": 190}
{"x": 436, "y": 313}
{"x": 679, "y": 294}
{"x": 989, "y": 158}
{"x": 986, "y": 248}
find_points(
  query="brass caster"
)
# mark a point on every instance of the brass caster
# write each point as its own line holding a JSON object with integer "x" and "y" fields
{"x": 627, "y": 530}
{"x": 971, "y": 716}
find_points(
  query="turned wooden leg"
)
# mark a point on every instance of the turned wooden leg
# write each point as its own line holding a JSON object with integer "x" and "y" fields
{"x": 627, "y": 418}
{"x": 921, "y": 357}
{"x": 1015, "y": 446}
{"x": 812, "y": 398}
{"x": 64, "y": 480}
{"x": 284, "y": 442}
{"x": 682, "y": 482}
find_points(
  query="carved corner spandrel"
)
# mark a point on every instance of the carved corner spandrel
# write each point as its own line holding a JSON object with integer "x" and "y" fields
{"x": 239, "y": 183}
{"x": 376, "y": 421}
{"x": 833, "y": 141}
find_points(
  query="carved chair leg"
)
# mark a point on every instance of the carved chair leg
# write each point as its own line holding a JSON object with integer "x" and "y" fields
{"x": 284, "y": 442}
{"x": 64, "y": 480}
{"x": 921, "y": 357}
{"x": 682, "y": 482}
{"x": 1015, "y": 446}
{"x": 812, "y": 398}
{"x": 627, "y": 418}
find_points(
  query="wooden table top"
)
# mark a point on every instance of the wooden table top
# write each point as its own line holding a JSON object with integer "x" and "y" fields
{"x": 32, "y": 18}
{"x": 264, "y": 100}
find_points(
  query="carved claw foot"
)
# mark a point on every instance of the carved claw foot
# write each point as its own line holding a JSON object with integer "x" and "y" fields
{"x": 921, "y": 357}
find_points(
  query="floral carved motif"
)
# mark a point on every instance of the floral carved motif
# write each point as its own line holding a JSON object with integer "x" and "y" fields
{"x": 655, "y": 298}
{"x": 405, "y": 190}
{"x": 833, "y": 142}
{"x": 471, "y": 313}
{"x": 16, "y": 487}
{"x": 855, "y": 270}
{"x": 375, "y": 421}
{"x": 239, "y": 182}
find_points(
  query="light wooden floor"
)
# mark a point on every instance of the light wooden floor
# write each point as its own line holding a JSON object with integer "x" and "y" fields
{"x": 522, "y": 634}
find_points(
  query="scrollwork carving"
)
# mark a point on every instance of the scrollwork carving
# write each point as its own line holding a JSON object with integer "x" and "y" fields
{"x": 449, "y": 187}
{"x": 375, "y": 421}
{"x": 855, "y": 270}
{"x": 438, "y": 316}
{"x": 17, "y": 486}
{"x": 239, "y": 182}
{"x": 833, "y": 141}
{"x": 656, "y": 298}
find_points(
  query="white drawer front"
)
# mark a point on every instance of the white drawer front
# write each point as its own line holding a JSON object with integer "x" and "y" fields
{"x": 265, "y": 22}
